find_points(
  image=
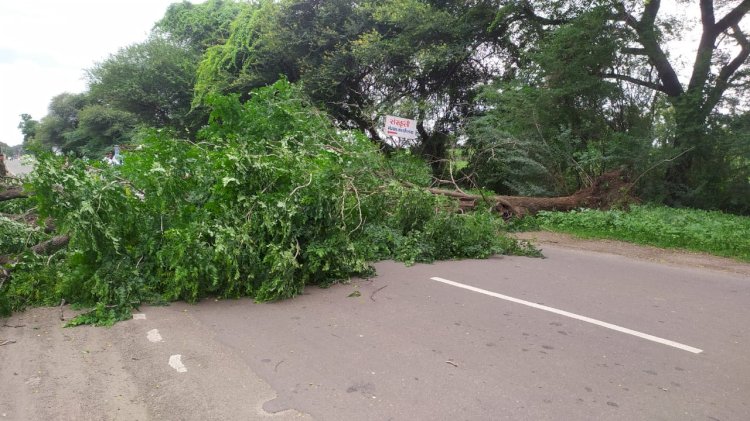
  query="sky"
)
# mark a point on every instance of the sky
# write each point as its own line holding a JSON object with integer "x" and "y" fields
{"x": 46, "y": 45}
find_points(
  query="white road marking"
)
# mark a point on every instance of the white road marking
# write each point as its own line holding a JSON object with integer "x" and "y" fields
{"x": 574, "y": 316}
{"x": 175, "y": 361}
{"x": 153, "y": 335}
{"x": 139, "y": 316}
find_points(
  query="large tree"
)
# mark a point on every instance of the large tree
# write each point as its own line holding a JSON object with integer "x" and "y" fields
{"x": 640, "y": 31}
{"x": 199, "y": 26}
{"x": 361, "y": 60}
{"x": 28, "y": 127}
{"x": 79, "y": 124}
{"x": 152, "y": 80}
{"x": 61, "y": 119}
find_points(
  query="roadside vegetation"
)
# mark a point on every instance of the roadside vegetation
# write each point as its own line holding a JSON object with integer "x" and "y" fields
{"x": 710, "y": 232}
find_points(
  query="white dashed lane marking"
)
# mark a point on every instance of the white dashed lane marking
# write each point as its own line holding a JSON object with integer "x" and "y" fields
{"x": 574, "y": 316}
{"x": 154, "y": 336}
{"x": 175, "y": 361}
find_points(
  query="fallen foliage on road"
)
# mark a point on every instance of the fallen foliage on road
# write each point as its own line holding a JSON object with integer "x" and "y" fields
{"x": 271, "y": 198}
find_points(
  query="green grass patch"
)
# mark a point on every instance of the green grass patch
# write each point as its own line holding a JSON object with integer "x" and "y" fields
{"x": 697, "y": 230}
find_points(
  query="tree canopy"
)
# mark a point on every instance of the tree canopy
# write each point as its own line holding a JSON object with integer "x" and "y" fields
{"x": 537, "y": 97}
{"x": 361, "y": 60}
{"x": 633, "y": 49}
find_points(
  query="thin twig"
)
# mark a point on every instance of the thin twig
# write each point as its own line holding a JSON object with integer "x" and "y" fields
{"x": 138, "y": 192}
{"x": 359, "y": 207}
{"x": 62, "y": 303}
{"x": 663, "y": 161}
{"x": 298, "y": 249}
{"x": 277, "y": 365}
{"x": 450, "y": 171}
{"x": 372, "y": 296}
{"x": 49, "y": 259}
{"x": 8, "y": 342}
{"x": 301, "y": 186}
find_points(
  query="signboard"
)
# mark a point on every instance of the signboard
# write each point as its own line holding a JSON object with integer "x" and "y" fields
{"x": 401, "y": 127}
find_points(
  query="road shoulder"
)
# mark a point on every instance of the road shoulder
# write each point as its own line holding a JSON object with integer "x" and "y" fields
{"x": 679, "y": 258}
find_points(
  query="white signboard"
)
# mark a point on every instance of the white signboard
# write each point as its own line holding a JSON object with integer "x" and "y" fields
{"x": 401, "y": 127}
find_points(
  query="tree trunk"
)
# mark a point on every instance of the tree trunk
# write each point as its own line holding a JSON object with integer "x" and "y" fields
{"x": 434, "y": 149}
{"x": 46, "y": 247}
{"x": 52, "y": 245}
{"x": 690, "y": 137}
{"x": 609, "y": 189}
{"x": 12, "y": 193}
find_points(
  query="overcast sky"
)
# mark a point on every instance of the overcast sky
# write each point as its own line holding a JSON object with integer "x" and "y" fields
{"x": 45, "y": 46}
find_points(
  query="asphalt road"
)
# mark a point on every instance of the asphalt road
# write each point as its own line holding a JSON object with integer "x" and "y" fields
{"x": 17, "y": 167}
{"x": 579, "y": 335}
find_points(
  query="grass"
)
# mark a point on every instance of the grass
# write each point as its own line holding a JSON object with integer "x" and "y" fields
{"x": 711, "y": 232}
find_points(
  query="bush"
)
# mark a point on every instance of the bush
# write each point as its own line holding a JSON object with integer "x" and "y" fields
{"x": 707, "y": 231}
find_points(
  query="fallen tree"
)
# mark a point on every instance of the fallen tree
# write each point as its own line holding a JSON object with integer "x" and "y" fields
{"x": 12, "y": 193}
{"x": 52, "y": 245}
{"x": 610, "y": 189}
{"x": 272, "y": 198}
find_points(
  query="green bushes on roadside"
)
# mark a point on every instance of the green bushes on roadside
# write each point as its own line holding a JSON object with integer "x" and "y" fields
{"x": 697, "y": 230}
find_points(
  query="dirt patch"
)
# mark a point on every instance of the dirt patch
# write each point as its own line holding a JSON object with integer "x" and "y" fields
{"x": 654, "y": 254}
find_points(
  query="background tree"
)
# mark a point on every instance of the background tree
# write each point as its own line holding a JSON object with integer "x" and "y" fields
{"x": 361, "y": 60}
{"x": 641, "y": 59}
{"x": 199, "y": 26}
{"x": 10, "y": 151}
{"x": 99, "y": 129}
{"x": 28, "y": 127}
{"x": 77, "y": 124}
{"x": 153, "y": 81}
{"x": 558, "y": 113}
{"x": 62, "y": 119}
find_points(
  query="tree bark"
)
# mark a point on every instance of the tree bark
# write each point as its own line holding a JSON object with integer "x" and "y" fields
{"x": 608, "y": 190}
{"x": 52, "y": 245}
{"x": 46, "y": 248}
{"x": 12, "y": 193}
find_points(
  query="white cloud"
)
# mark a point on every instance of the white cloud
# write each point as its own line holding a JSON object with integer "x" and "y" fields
{"x": 45, "y": 46}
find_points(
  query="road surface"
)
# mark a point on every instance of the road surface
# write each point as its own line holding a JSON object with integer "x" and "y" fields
{"x": 580, "y": 335}
{"x": 18, "y": 167}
